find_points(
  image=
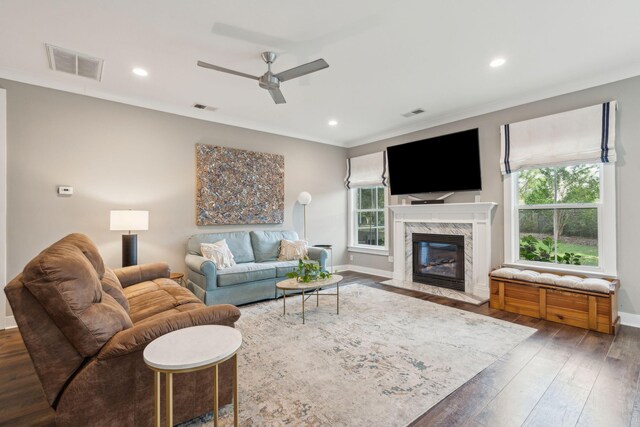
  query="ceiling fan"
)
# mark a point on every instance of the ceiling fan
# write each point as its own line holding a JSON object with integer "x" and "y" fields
{"x": 270, "y": 81}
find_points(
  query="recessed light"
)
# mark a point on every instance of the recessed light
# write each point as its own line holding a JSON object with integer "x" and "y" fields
{"x": 333, "y": 123}
{"x": 140, "y": 72}
{"x": 498, "y": 62}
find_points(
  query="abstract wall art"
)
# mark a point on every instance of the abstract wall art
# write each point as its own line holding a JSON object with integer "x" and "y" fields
{"x": 238, "y": 186}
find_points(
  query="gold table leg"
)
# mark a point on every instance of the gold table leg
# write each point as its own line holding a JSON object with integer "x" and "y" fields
{"x": 215, "y": 396}
{"x": 235, "y": 390}
{"x": 303, "y": 306}
{"x": 317, "y": 297}
{"x": 284, "y": 302}
{"x": 156, "y": 397}
{"x": 169, "y": 399}
{"x": 157, "y": 381}
{"x": 338, "y": 298}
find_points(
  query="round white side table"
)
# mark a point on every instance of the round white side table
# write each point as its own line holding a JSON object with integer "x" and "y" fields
{"x": 192, "y": 349}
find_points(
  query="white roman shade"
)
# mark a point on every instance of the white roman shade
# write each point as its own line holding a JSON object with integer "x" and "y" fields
{"x": 367, "y": 171}
{"x": 586, "y": 135}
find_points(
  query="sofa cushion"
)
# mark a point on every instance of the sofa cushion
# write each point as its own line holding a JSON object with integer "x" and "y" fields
{"x": 285, "y": 267}
{"x": 151, "y": 298}
{"x": 112, "y": 286}
{"x": 239, "y": 243}
{"x": 247, "y": 272}
{"x": 266, "y": 244}
{"x": 65, "y": 279}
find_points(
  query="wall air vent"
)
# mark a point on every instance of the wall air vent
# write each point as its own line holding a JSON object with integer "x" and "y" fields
{"x": 76, "y": 63}
{"x": 204, "y": 107}
{"x": 413, "y": 113}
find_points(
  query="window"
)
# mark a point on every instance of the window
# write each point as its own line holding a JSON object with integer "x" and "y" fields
{"x": 368, "y": 222}
{"x": 563, "y": 217}
{"x": 560, "y": 190}
{"x": 558, "y": 214}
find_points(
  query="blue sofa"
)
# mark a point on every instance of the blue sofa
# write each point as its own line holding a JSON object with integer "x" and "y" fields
{"x": 257, "y": 270}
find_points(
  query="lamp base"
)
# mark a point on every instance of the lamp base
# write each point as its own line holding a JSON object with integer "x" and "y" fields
{"x": 129, "y": 249}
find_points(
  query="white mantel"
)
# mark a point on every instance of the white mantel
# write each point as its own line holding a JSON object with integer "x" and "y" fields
{"x": 478, "y": 215}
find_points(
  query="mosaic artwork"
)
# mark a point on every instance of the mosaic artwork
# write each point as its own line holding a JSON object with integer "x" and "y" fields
{"x": 238, "y": 186}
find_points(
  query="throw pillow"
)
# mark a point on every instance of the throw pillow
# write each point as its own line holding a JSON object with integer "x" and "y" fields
{"x": 291, "y": 250}
{"x": 219, "y": 253}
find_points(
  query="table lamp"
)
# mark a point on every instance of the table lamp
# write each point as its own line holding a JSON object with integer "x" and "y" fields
{"x": 304, "y": 199}
{"x": 129, "y": 220}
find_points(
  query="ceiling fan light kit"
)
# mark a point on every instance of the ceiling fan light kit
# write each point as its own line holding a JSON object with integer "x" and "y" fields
{"x": 269, "y": 80}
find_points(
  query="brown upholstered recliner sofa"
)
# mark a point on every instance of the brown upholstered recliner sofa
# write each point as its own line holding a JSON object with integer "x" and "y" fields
{"x": 85, "y": 327}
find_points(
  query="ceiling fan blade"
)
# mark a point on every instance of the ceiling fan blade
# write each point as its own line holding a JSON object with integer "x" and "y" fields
{"x": 226, "y": 70}
{"x": 277, "y": 96}
{"x": 302, "y": 70}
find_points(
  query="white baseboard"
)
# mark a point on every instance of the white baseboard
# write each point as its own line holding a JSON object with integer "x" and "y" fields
{"x": 365, "y": 270}
{"x": 630, "y": 319}
{"x": 10, "y": 322}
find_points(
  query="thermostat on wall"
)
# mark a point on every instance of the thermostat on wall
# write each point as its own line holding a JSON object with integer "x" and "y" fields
{"x": 64, "y": 190}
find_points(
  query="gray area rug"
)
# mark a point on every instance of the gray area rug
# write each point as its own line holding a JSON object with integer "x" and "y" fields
{"x": 384, "y": 361}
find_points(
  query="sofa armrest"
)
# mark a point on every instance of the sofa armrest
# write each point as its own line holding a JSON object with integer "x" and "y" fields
{"x": 320, "y": 255}
{"x": 138, "y": 336}
{"x": 202, "y": 272}
{"x": 141, "y": 273}
{"x": 200, "y": 265}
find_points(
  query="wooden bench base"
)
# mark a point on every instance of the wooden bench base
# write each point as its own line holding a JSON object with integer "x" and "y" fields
{"x": 589, "y": 310}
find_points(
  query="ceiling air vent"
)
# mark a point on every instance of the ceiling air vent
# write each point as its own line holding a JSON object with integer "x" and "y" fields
{"x": 413, "y": 113}
{"x": 76, "y": 63}
{"x": 204, "y": 107}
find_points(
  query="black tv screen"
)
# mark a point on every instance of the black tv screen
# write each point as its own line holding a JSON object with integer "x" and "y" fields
{"x": 444, "y": 163}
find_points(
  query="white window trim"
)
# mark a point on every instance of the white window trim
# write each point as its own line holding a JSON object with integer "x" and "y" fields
{"x": 5, "y": 321}
{"x": 353, "y": 245}
{"x": 607, "y": 237}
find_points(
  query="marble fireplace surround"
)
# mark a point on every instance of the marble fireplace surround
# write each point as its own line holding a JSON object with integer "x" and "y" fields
{"x": 472, "y": 220}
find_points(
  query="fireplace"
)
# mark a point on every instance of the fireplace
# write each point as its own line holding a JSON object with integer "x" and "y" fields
{"x": 470, "y": 220}
{"x": 438, "y": 259}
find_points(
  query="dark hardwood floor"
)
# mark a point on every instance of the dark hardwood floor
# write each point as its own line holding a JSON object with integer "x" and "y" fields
{"x": 560, "y": 376}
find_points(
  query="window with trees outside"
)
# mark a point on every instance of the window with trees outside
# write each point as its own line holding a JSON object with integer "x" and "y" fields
{"x": 559, "y": 214}
{"x": 368, "y": 222}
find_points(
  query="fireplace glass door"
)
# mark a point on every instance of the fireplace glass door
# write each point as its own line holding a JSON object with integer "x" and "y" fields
{"x": 439, "y": 260}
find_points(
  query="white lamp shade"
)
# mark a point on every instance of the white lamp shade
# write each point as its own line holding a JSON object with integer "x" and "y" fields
{"x": 304, "y": 198}
{"x": 129, "y": 220}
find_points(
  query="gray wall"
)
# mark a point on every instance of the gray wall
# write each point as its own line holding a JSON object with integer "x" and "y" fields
{"x": 118, "y": 157}
{"x": 627, "y": 93}
{"x": 121, "y": 157}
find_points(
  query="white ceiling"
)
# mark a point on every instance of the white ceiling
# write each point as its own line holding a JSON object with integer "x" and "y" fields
{"x": 386, "y": 57}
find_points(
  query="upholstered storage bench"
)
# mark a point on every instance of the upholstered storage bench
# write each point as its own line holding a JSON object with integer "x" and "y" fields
{"x": 583, "y": 302}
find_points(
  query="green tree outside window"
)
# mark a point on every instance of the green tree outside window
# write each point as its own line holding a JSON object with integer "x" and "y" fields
{"x": 558, "y": 214}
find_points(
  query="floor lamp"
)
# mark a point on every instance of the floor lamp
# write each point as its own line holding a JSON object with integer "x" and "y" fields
{"x": 128, "y": 220}
{"x": 304, "y": 199}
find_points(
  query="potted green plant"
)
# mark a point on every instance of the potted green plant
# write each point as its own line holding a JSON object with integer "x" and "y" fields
{"x": 308, "y": 271}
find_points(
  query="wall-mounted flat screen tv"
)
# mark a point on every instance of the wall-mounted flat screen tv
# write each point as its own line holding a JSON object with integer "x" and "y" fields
{"x": 443, "y": 163}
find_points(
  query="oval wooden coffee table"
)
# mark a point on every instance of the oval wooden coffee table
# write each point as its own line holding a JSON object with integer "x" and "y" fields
{"x": 315, "y": 285}
{"x": 192, "y": 349}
